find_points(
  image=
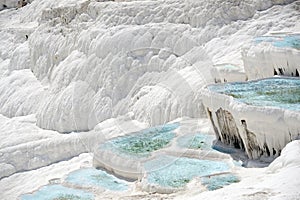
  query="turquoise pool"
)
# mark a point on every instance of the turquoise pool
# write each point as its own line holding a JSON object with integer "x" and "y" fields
{"x": 196, "y": 141}
{"x": 144, "y": 142}
{"x": 217, "y": 182}
{"x": 58, "y": 192}
{"x": 292, "y": 41}
{"x": 174, "y": 172}
{"x": 277, "y": 92}
{"x": 95, "y": 177}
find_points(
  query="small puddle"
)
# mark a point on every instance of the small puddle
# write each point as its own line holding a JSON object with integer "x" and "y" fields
{"x": 196, "y": 141}
{"x": 219, "y": 181}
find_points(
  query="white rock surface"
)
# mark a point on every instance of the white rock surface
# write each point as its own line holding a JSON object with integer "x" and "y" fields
{"x": 264, "y": 60}
{"x": 228, "y": 73}
{"x": 119, "y": 50}
{"x": 142, "y": 62}
{"x": 24, "y": 146}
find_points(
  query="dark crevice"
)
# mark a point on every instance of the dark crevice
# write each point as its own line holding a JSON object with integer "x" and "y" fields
{"x": 280, "y": 71}
{"x": 267, "y": 149}
{"x": 229, "y": 131}
{"x": 213, "y": 124}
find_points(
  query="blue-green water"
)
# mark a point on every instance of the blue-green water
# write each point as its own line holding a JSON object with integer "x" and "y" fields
{"x": 224, "y": 149}
{"x": 217, "y": 182}
{"x": 196, "y": 141}
{"x": 173, "y": 172}
{"x": 58, "y": 192}
{"x": 278, "y": 92}
{"x": 95, "y": 177}
{"x": 292, "y": 41}
{"x": 144, "y": 142}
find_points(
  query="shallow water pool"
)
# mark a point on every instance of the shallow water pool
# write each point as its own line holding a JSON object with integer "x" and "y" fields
{"x": 144, "y": 142}
{"x": 292, "y": 41}
{"x": 58, "y": 192}
{"x": 173, "y": 172}
{"x": 95, "y": 177}
{"x": 196, "y": 141}
{"x": 217, "y": 182}
{"x": 278, "y": 92}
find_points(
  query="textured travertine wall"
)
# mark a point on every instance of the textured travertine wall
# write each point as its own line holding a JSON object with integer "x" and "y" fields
{"x": 261, "y": 131}
{"x": 265, "y": 60}
{"x": 5, "y": 4}
{"x": 90, "y": 60}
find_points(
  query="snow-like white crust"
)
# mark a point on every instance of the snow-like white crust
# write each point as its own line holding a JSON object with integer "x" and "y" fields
{"x": 95, "y": 60}
{"x": 264, "y": 131}
{"x": 68, "y": 65}
{"x": 265, "y": 60}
